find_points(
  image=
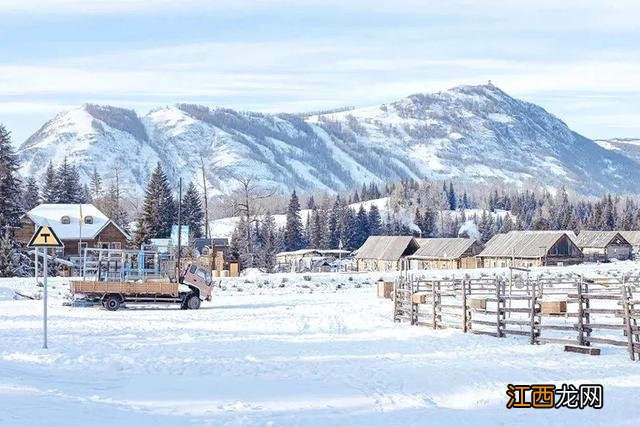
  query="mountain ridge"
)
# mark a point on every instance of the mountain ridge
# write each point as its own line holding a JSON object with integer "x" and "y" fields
{"x": 475, "y": 133}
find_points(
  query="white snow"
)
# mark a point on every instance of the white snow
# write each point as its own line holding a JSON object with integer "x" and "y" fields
{"x": 52, "y": 214}
{"x": 308, "y": 353}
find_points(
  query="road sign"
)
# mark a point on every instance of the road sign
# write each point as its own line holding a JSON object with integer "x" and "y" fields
{"x": 45, "y": 237}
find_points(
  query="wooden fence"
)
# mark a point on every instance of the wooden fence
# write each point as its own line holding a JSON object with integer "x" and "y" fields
{"x": 566, "y": 310}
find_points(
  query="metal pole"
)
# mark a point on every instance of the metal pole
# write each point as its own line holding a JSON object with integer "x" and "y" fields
{"x": 180, "y": 226}
{"x": 44, "y": 280}
{"x": 35, "y": 264}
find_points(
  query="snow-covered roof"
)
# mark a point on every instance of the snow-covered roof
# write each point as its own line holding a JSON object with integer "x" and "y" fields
{"x": 599, "y": 239}
{"x": 53, "y": 214}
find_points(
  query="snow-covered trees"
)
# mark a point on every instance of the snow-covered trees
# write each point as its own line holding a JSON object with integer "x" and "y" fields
{"x": 31, "y": 194}
{"x": 293, "y": 233}
{"x": 11, "y": 204}
{"x": 158, "y": 210}
{"x": 192, "y": 213}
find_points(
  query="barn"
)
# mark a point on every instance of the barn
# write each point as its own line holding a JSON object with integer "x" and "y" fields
{"x": 385, "y": 253}
{"x": 445, "y": 253}
{"x": 77, "y": 225}
{"x": 531, "y": 249}
{"x": 603, "y": 245}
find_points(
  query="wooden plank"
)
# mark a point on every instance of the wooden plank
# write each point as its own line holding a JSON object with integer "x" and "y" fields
{"x": 557, "y": 340}
{"x": 582, "y": 349}
{"x": 477, "y": 332}
{"x": 608, "y": 341}
{"x": 483, "y": 322}
{"x": 515, "y": 332}
{"x": 558, "y": 327}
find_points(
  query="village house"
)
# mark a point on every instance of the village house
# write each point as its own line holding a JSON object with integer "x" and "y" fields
{"x": 633, "y": 237}
{"x": 531, "y": 249}
{"x": 385, "y": 253}
{"x": 77, "y": 225}
{"x": 603, "y": 245}
{"x": 445, "y": 253}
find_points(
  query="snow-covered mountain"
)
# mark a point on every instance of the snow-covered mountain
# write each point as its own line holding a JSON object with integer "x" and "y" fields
{"x": 476, "y": 133}
{"x": 630, "y": 147}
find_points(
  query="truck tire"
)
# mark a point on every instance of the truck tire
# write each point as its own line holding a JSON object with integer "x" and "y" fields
{"x": 111, "y": 302}
{"x": 193, "y": 302}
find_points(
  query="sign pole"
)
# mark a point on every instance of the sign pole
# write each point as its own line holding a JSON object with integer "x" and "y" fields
{"x": 44, "y": 280}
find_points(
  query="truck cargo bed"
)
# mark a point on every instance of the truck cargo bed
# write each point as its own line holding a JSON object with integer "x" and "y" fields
{"x": 165, "y": 288}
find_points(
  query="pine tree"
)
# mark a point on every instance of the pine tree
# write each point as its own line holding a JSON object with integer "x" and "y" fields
{"x": 268, "y": 243}
{"x": 318, "y": 230}
{"x": 49, "y": 186}
{"x": 452, "y": 197}
{"x": 311, "y": 203}
{"x": 67, "y": 184}
{"x": 95, "y": 188}
{"x": 9, "y": 255}
{"x": 428, "y": 223}
{"x": 192, "y": 213}
{"x": 31, "y": 196}
{"x": 333, "y": 226}
{"x": 375, "y": 221}
{"x": 362, "y": 230}
{"x": 11, "y": 204}
{"x": 418, "y": 221}
{"x": 349, "y": 230}
{"x": 158, "y": 210}
{"x": 293, "y": 237}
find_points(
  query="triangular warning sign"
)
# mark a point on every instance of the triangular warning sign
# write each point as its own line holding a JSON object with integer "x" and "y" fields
{"x": 45, "y": 237}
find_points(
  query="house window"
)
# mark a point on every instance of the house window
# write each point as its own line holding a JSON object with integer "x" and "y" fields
{"x": 81, "y": 246}
{"x": 116, "y": 245}
{"x": 88, "y": 219}
{"x": 65, "y": 220}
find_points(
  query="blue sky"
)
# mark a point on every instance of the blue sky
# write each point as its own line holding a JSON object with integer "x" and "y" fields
{"x": 578, "y": 59}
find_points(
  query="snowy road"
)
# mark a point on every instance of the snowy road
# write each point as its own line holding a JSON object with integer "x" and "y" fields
{"x": 282, "y": 358}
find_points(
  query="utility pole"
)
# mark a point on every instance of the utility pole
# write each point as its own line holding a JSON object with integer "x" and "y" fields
{"x": 179, "y": 226}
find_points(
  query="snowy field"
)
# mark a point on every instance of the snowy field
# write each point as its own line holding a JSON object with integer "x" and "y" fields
{"x": 311, "y": 353}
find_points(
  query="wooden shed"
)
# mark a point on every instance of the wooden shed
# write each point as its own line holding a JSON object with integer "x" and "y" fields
{"x": 384, "y": 253}
{"x": 445, "y": 253}
{"x": 531, "y": 249}
{"x": 633, "y": 237}
{"x": 603, "y": 245}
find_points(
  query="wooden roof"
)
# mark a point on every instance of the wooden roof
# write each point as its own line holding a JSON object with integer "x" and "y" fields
{"x": 598, "y": 239}
{"x": 389, "y": 248}
{"x": 522, "y": 244}
{"x": 442, "y": 248}
{"x": 632, "y": 237}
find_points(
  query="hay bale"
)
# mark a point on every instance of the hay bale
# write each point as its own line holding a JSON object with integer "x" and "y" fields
{"x": 554, "y": 307}
{"x": 419, "y": 298}
{"x": 477, "y": 303}
{"x": 385, "y": 289}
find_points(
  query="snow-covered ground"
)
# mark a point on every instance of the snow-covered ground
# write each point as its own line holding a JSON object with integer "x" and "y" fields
{"x": 281, "y": 350}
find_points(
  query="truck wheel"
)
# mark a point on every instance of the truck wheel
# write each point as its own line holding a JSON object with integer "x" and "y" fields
{"x": 111, "y": 303}
{"x": 193, "y": 302}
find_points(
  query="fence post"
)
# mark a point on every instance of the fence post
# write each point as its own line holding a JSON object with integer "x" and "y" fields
{"x": 498, "y": 322}
{"x": 627, "y": 321}
{"x": 580, "y": 337}
{"x": 433, "y": 302}
{"x": 464, "y": 306}
{"x": 533, "y": 302}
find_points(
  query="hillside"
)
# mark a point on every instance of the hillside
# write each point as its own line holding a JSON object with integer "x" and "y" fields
{"x": 473, "y": 133}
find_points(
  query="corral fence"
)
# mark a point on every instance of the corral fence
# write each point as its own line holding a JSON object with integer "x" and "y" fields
{"x": 574, "y": 311}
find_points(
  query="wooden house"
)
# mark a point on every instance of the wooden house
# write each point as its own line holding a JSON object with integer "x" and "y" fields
{"x": 77, "y": 225}
{"x": 603, "y": 245}
{"x": 445, "y": 253}
{"x": 385, "y": 253}
{"x": 633, "y": 237}
{"x": 531, "y": 249}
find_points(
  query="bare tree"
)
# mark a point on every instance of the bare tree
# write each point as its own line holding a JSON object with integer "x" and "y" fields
{"x": 247, "y": 203}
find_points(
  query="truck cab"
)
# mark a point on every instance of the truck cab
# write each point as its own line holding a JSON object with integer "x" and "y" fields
{"x": 198, "y": 278}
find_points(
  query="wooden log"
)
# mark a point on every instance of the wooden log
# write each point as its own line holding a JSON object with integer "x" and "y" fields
{"x": 385, "y": 289}
{"x": 477, "y": 303}
{"x": 554, "y": 307}
{"x": 609, "y": 341}
{"x": 627, "y": 322}
{"x": 557, "y": 340}
{"x": 419, "y": 297}
{"x": 582, "y": 349}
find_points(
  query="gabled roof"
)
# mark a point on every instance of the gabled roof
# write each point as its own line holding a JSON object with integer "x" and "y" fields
{"x": 52, "y": 214}
{"x": 443, "y": 248}
{"x": 389, "y": 248}
{"x": 522, "y": 244}
{"x": 632, "y": 237}
{"x": 597, "y": 239}
{"x": 200, "y": 242}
